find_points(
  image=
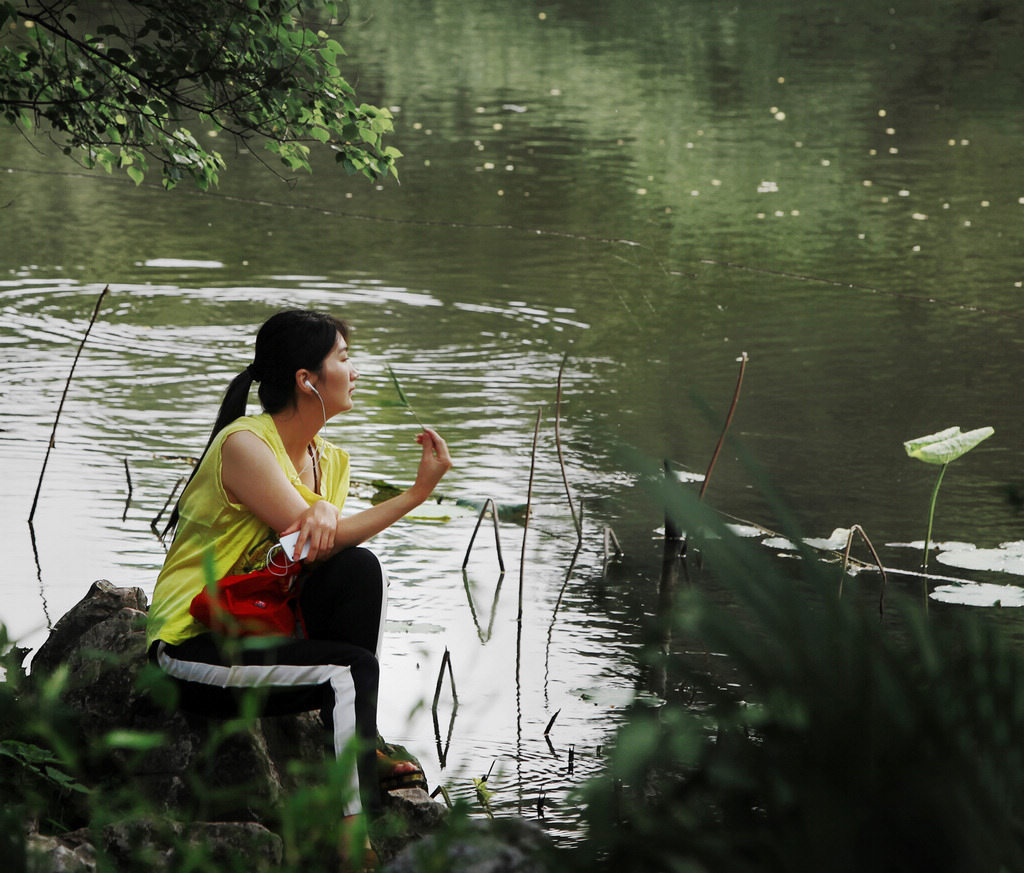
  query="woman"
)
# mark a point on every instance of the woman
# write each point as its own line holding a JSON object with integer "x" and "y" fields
{"x": 262, "y": 477}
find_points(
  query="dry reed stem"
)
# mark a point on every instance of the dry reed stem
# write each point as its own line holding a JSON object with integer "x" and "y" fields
{"x": 526, "y": 519}
{"x": 484, "y": 636}
{"x": 577, "y": 522}
{"x": 547, "y": 730}
{"x": 878, "y": 563}
{"x": 497, "y": 540}
{"x": 442, "y": 751}
{"x": 446, "y": 661}
{"x": 128, "y": 499}
{"x": 440, "y": 789}
{"x": 156, "y": 521}
{"x": 610, "y": 538}
{"x": 728, "y": 420}
{"x": 672, "y": 531}
{"x": 554, "y": 613}
{"x": 63, "y": 397}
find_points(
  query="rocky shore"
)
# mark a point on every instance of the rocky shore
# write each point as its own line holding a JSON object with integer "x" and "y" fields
{"x": 208, "y": 788}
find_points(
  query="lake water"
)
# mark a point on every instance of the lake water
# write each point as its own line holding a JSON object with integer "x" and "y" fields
{"x": 646, "y": 190}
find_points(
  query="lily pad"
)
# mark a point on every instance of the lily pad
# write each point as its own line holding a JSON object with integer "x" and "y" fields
{"x": 431, "y": 511}
{"x": 835, "y": 542}
{"x": 618, "y": 697}
{"x": 413, "y": 627}
{"x": 1008, "y": 558}
{"x": 946, "y": 445}
{"x": 980, "y": 594}
{"x": 745, "y": 530}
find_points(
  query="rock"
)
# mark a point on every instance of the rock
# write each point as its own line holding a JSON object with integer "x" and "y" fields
{"x": 409, "y": 814}
{"x": 102, "y": 601}
{"x": 226, "y": 784}
{"x": 101, "y": 644}
{"x": 147, "y": 846}
{"x": 508, "y": 845}
{"x": 152, "y": 846}
{"x": 59, "y": 855}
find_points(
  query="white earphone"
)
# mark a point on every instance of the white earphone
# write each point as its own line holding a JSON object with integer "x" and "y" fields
{"x": 311, "y": 388}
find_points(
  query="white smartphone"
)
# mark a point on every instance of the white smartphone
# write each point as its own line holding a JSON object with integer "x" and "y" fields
{"x": 288, "y": 544}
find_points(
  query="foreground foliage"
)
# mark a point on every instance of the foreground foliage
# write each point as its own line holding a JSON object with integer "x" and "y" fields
{"x": 838, "y": 743}
{"x": 120, "y": 88}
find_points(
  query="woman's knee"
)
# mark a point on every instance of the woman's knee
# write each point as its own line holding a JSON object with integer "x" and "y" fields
{"x": 361, "y": 562}
{"x": 364, "y": 668}
{"x": 352, "y": 572}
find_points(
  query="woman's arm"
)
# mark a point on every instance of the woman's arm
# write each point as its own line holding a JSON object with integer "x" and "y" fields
{"x": 435, "y": 461}
{"x": 253, "y": 477}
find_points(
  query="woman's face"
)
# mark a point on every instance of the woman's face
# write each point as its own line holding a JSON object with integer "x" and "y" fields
{"x": 337, "y": 380}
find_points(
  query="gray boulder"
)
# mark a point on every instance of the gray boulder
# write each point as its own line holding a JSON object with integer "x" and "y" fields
{"x": 507, "y": 845}
{"x": 152, "y": 846}
{"x": 101, "y": 644}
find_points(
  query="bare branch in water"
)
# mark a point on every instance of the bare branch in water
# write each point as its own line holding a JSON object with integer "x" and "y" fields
{"x": 60, "y": 407}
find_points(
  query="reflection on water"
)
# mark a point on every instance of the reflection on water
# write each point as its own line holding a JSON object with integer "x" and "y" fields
{"x": 650, "y": 188}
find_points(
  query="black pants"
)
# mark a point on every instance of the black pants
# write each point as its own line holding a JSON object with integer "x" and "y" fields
{"x": 335, "y": 670}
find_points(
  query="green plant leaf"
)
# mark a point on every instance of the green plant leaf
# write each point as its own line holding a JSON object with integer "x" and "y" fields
{"x": 401, "y": 394}
{"x": 946, "y": 445}
{"x": 141, "y": 741}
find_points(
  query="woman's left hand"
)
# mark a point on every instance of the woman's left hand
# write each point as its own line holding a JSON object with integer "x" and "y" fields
{"x": 317, "y": 526}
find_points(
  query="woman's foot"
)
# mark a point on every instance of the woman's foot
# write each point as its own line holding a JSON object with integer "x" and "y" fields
{"x": 365, "y": 861}
{"x": 355, "y": 854}
{"x": 397, "y": 768}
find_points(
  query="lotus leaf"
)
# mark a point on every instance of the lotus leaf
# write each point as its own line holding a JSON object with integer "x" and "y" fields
{"x": 940, "y": 448}
{"x": 946, "y": 445}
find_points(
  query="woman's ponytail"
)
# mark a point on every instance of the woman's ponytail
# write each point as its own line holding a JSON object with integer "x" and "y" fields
{"x": 231, "y": 407}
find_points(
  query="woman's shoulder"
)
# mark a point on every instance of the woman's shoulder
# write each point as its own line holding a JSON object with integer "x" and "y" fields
{"x": 262, "y": 425}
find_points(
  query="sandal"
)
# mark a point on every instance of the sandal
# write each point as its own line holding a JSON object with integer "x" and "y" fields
{"x": 398, "y": 768}
{"x": 369, "y": 863}
{"x": 357, "y": 858}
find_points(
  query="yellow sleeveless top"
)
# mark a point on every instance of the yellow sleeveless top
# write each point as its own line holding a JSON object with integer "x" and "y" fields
{"x": 214, "y": 532}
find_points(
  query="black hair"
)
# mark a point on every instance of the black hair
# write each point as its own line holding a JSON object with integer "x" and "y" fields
{"x": 288, "y": 341}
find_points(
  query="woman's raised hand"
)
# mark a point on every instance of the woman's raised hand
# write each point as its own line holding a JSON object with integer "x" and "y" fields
{"x": 434, "y": 463}
{"x": 316, "y": 525}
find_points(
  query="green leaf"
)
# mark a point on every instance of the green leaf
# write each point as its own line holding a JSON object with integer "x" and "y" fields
{"x": 142, "y": 741}
{"x": 136, "y": 175}
{"x": 401, "y": 394}
{"x": 946, "y": 445}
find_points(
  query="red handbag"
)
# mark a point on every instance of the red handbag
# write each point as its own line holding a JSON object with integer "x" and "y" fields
{"x": 262, "y": 603}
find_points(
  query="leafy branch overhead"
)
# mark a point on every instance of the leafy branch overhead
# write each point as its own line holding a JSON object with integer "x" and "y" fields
{"x": 119, "y": 90}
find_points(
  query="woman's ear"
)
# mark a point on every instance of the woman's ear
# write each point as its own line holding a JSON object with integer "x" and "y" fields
{"x": 304, "y": 382}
